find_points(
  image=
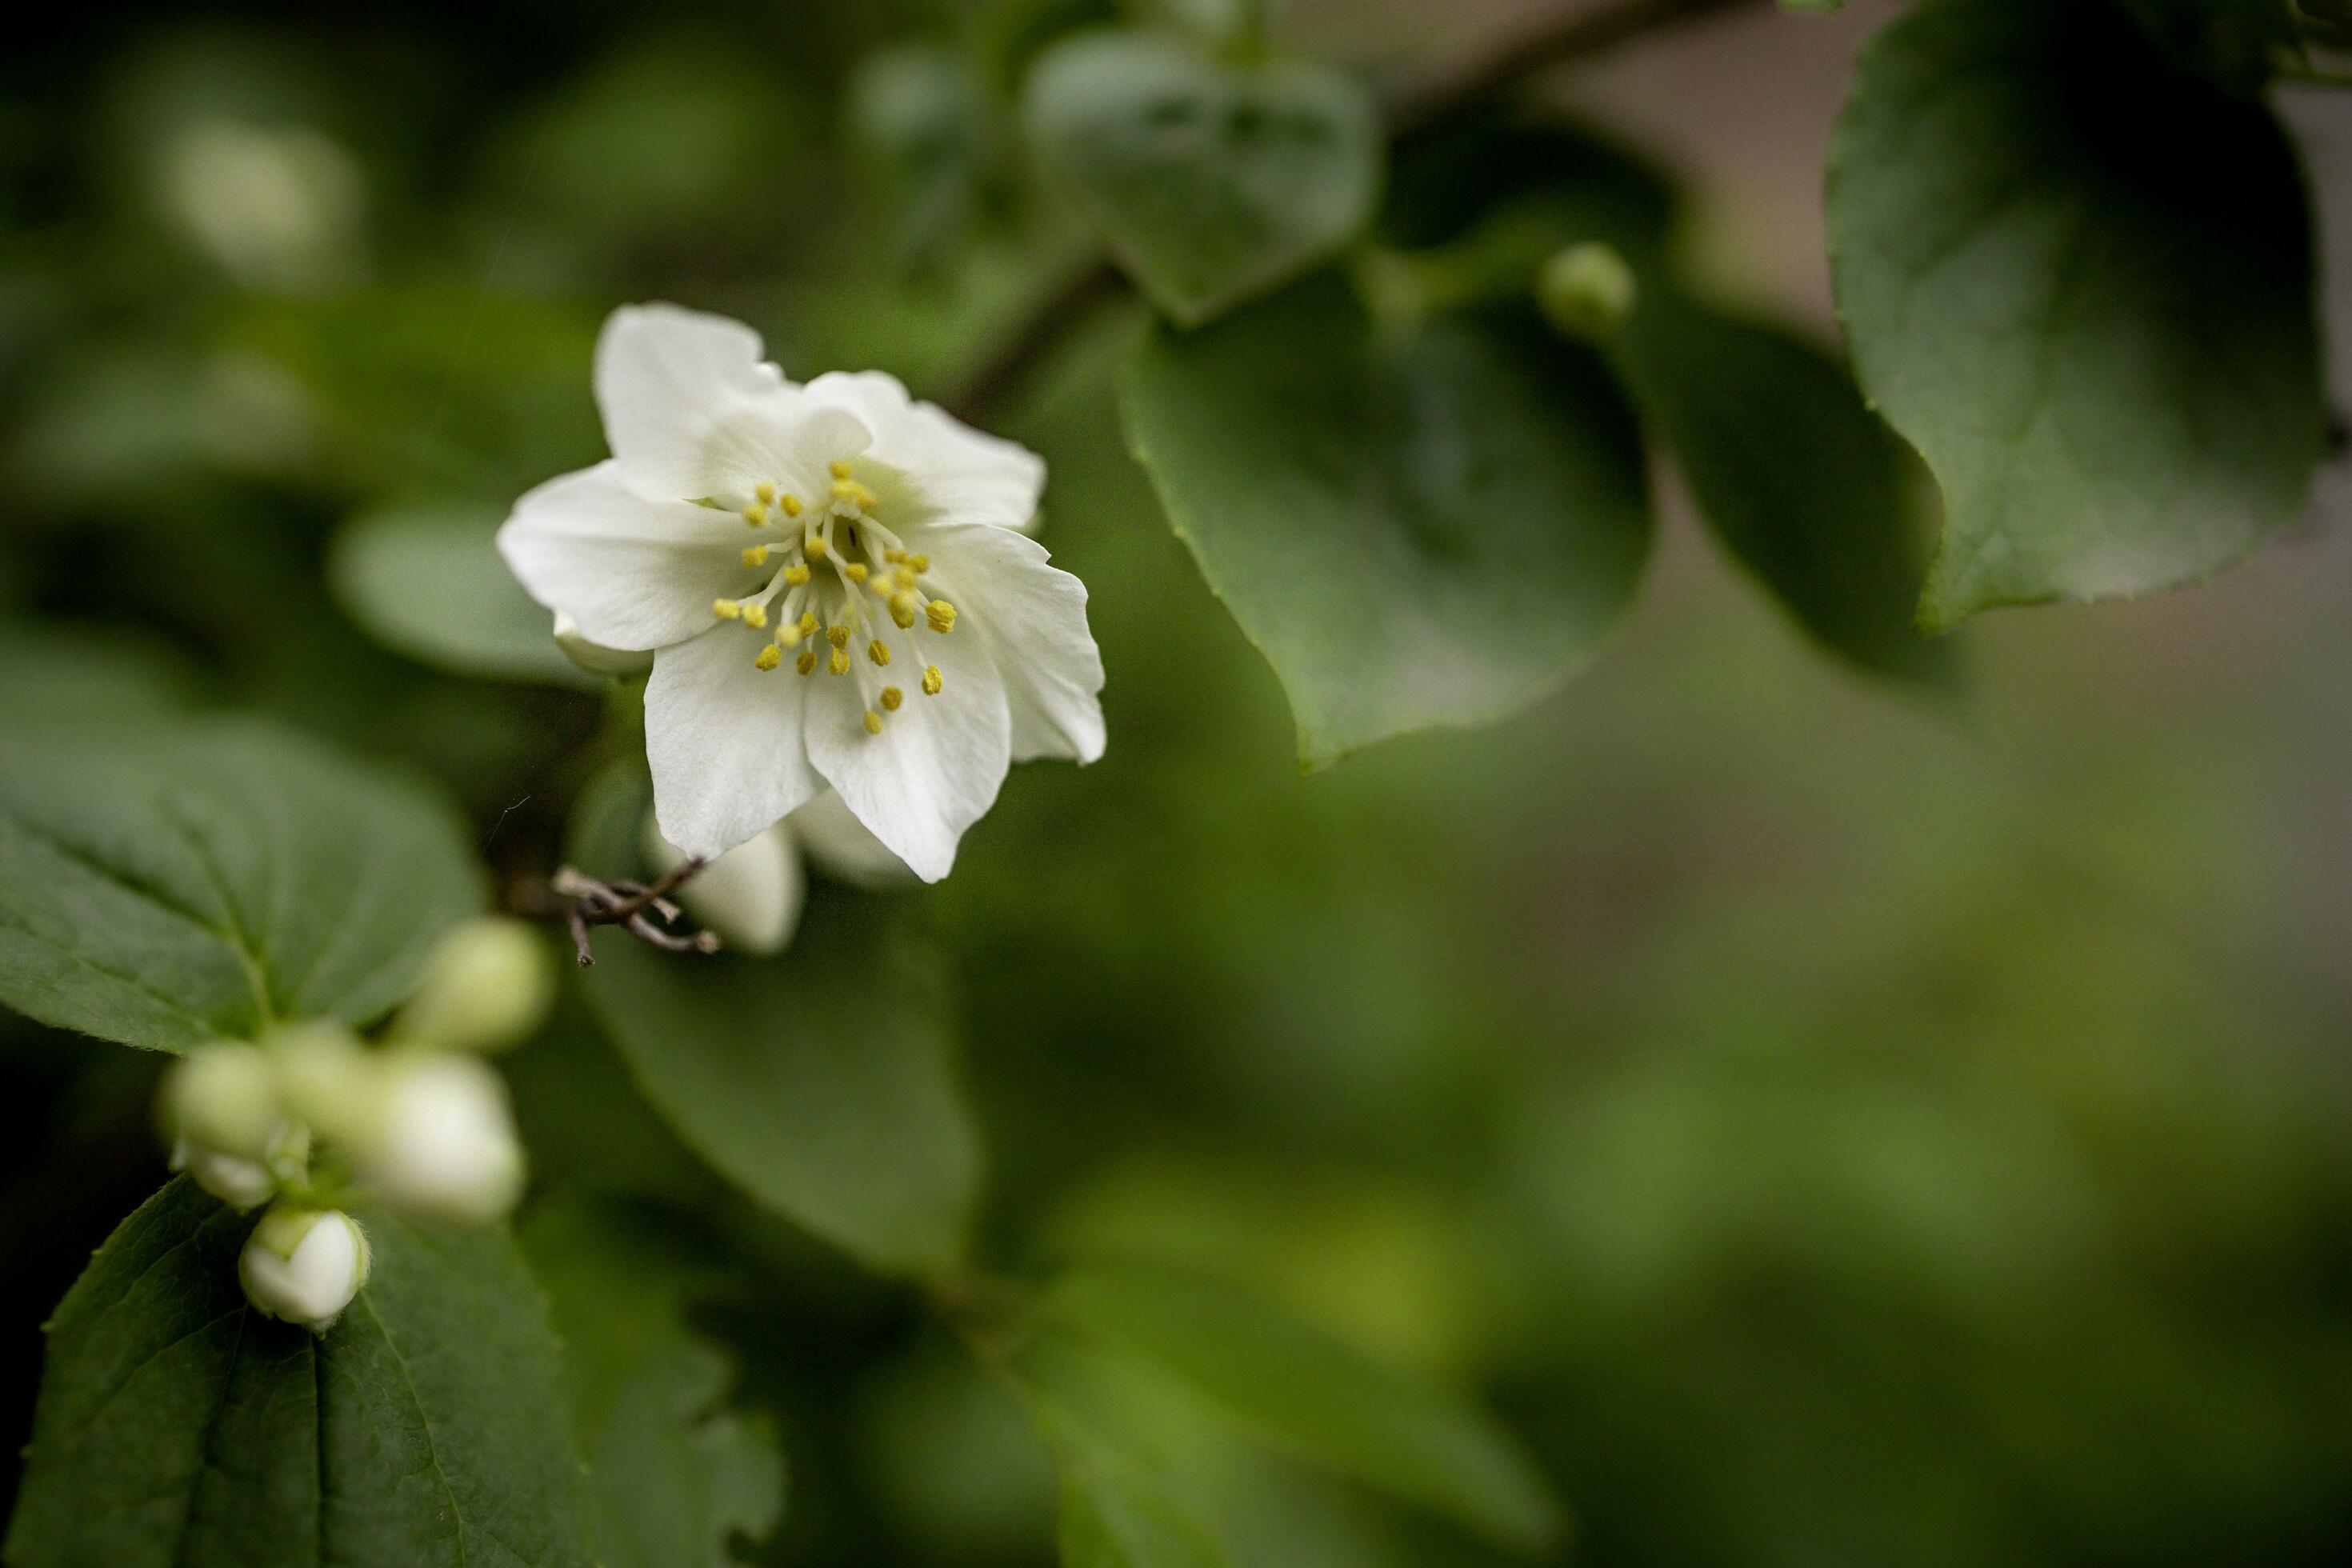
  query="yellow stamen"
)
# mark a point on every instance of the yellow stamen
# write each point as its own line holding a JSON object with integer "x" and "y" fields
{"x": 878, "y": 651}
{"x": 726, "y": 609}
{"x": 919, "y": 563}
{"x": 755, "y": 614}
{"x": 755, "y": 515}
{"x": 894, "y": 556}
{"x": 756, "y": 556}
{"x": 765, "y": 491}
{"x": 873, "y": 723}
{"x": 837, "y": 635}
{"x": 902, "y": 608}
{"x": 932, "y": 681}
{"x": 904, "y": 576}
{"x": 941, "y": 615}
{"x": 840, "y": 470}
{"x": 790, "y": 503}
{"x": 854, "y": 570}
{"x": 815, "y": 546}
{"x": 806, "y": 663}
{"x": 891, "y": 697}
{"x": 839, "y": 662}
{"x": 770, "y": 657}
{"x": 808, "y": 623}
{"x": 796, "y": 576}
{"x": 790, "y": 636}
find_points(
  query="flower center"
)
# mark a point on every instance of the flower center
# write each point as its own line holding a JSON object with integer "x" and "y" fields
{"x": 839, "y": 571}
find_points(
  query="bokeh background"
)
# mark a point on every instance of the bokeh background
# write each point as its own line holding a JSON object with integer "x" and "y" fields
{"x": 1831, "y": 1128}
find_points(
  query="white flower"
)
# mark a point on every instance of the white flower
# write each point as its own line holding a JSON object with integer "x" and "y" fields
{"x": 239, "y": 1183}
{"x": 444, "y": 1145}
{"x": 751, "y": 895}
{"x": 486, "y": 988}
{"x": 304, "y": 1266}
{"x": 834, "y": 582}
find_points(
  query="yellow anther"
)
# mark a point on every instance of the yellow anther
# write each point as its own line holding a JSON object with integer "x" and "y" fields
{"x": 755, "y": 614}
{"x": 770, "y": 657}
{"x": 790, "y": 503}
{"x": 919, "y": 563}
{"x": 806, "y": 663}
{"x": 839, "y": 662}
{"x": 837, "y": 635}
{"x": 790, "y": 636}
{"x": 840, "y": 470}
{"x": 902, "y": 609}
{"x": 873, "y": 723}
{"x": 941, "y": 615}
{"x": 756, "y": 556}
{"x": 854, "y": 570}
{"x": 894, "y": 556}
{"x": 755, "y": 515}
{"x": 808, "y": 623}
{"x": 765, "y": 491}
{"x": 932, "y": 681}
{"x": 891, "y": 697}
{"x": 815, "y": 546}
{"x": 797, "y": 573}
{"x": 726, "y": 609}
{"x": 904, "y": 576}
{"x": 878, "y": 651}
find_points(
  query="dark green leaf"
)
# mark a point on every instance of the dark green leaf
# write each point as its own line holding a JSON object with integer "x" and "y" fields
{"x": 1429, "y": 527}
{"x": 189, "y": 882}
{"x": 820, "y": 1081}
{"x": 2079, "y": 281}
{"x": 1214, "y": 183}
{"x": 1315, "y": 1397}
{"x": 429, "y": 583}
{"x": 179, "y": 1428}
{"x": 678, "y": 1477}
{"x": 1801, "y": 483}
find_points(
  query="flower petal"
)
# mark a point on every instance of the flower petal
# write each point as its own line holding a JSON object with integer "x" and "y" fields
{"x": 943, "y": 470}
{"x": 831, "y": 834}
{"x": 725, "y": 740}
{"x": 935, "y": 768}
{"x": 1033, "y": 618}
{"x": 630, "y": 573}
{"x": 751, "y": 896}
{"x": 665, "y": 376}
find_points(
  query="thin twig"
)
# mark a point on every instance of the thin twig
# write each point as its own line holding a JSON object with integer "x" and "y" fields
{"x": 586, "y": 902}
{"x": 1580, "y": 34}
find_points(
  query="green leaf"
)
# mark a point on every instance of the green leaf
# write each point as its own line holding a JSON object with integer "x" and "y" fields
{"x": 1429, "y": 526}
{"x": 179, "y": 1428}
{"x": 1799, "y": 482}
{"x": 181, "y": 882}
{"x": 72, "y": 674}
{"x": 820, "y": 1081}
{"x": 1315, "y": 1397}
{"x": 1214, "y": 183}
{"x": 2079, "y": 282}
{"x": 428, "y": 581}
{"x": 676, "y": 1475}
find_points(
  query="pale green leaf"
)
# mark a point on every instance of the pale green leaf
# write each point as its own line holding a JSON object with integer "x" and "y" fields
{"x": 820, "y": 1081}
{"x": 1433, "y": 526}
{"x": 179, "y": 1428}
{"x": 188, "y": 881}
{"x": 677, "y": 1475}
{"x": 2078, "y": 280}
{"x": 1214, "y": 182}
{"x": 428, "y": 581}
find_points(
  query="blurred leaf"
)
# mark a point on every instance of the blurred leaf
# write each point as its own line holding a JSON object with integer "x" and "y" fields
{"x": 428, "y": 581}
{"x": 1214, "y": 183}
{"x": 1503, "y": 168}
{"x": 1431, "y": 527}
{"x": 677, "y": 1476}
{"x": 177, "y": 1425}
{"x": 1799, "y": 482}
{"x": 1309, "y": 1394}
{"x": 79, "y": 672}
{"x": 2080, "y": 283}
{"x": 820, "y": 1081}
{"x": 163, "y": 887}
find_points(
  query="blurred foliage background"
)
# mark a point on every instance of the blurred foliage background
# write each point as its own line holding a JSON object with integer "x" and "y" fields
{"x": 1829, "y": 1128}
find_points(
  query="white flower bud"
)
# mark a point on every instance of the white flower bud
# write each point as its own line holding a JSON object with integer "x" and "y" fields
{"x": 444, "y": 1146}
{"x": 240, "y": 1182}
{"x": 330, "y": 1082}
{"x": 489, "y": 986}
{"x": 594, "y": 656}
{"x": 843, "y": 848}
{"x": 224, "y": 1099}
{"x": 304, "y": 1266}
{"x": 750, "y": 896}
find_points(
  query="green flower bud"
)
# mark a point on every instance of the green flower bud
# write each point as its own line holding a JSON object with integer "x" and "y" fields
{"x": 332, "y": 1083}
{"x": 444, "y": 1146}
{"x": 1586, "y": 291}
{"x": 304, "y": 1266}
{"x": 224, "y": 1099}
{"x": 489, "y": 986}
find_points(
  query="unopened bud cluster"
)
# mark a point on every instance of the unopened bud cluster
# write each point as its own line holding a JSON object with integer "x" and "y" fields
{"x": 310, "y": 1119}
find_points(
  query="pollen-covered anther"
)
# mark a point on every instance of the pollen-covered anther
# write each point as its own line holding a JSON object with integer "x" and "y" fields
{"x": 905, "y": 575}
{"x": 837, "y": 635}
{"x": 765, "y": 491}
{"x": 756, "y": 556}
{"x": 920, "y": 563}
{"x": 873, "y": 723}
{"x": 727, "y": 609}
{"x": 854, "y": 570}
{"x": 814, "y": 547}
{"x": 790, "y": 503}
{"x": 854, "y": 494}
{"x": 806, "y": 663}
{"x": 756, "y": 515}
{"x": 941, "y": 615}
{"x": 891, "y": 697}
{"x": 839, "y": 469}
{"x": 808, "y": 623}
{"x": 770, "y": 657}
{"x": 790, "y": 635}
{"x": 878, "y": 651}
{"x": 754, "y": 615}
{"x": 839, "y": 662}
{"x": 902, "y": 608}
{"x": 932, "y": 681}
{"x": 894, "y": 555}
{"x": 797, "y": 573}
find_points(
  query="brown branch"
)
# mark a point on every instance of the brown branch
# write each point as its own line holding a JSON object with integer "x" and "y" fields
{"x": 586, "y": 902}
{"x": 1580, "y": 34}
